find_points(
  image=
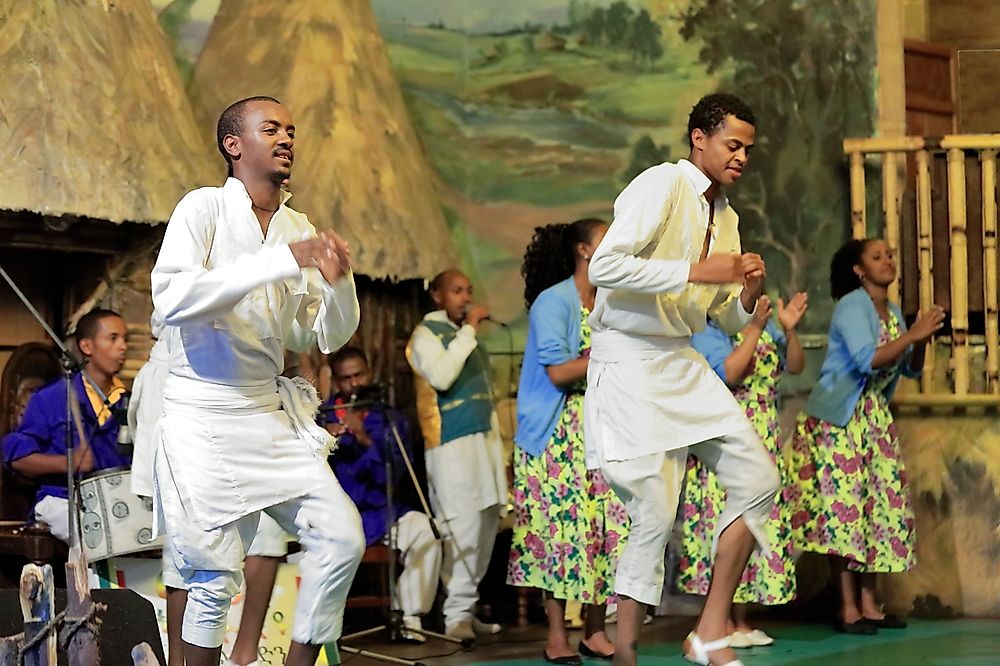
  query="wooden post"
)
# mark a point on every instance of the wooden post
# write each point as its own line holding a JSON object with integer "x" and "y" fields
{"x": 859, "y": 224}
{"x": 79, "y": 634}
{"x": 38, "y": 611}
{"x": 988, "y": 158}
{"x": 143, "y": 655}
{"x": 925, "y": 258}
{"x": 890, "y": 208}
{"x": 8, "y": 650}
{"x": 959, "y": 271}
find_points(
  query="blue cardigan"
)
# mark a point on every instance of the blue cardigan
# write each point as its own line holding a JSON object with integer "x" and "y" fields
{"x": 853, "y": 339}
{"x": 553, "y": 339}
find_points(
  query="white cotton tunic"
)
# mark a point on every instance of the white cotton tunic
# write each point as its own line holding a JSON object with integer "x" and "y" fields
{"x": 144, "y": 409}
{"x": 649, "y": 390}
{"x": 237, "y": 299}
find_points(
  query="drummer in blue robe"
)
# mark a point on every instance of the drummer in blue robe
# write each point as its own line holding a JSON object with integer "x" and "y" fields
{"x": 37, "y": 448}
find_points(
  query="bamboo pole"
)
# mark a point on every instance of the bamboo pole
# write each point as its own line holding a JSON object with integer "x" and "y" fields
{"x": 988, "y": 158}
{"x": 970, "y": 141}
{"x": 946, "y": 400}
{"x": 925, "y": 259}
{"x": 959, "y": 271}
{"x": 884, "y": 144}
{"x": 859, "y": 226}
{"x": 890, "y": 209}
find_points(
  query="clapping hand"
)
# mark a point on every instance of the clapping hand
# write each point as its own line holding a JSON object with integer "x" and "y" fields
{"x": 328, "y": 252}
{"x": 791, "y": 314}
{"x": 754, "y": 272}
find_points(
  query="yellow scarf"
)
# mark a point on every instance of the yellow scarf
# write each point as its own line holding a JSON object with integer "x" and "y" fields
{"x": 101, "y": 408}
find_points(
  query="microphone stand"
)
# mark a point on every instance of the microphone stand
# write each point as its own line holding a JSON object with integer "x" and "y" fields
{"x": 69, "y": 365}
{"x": 395, "y": 620}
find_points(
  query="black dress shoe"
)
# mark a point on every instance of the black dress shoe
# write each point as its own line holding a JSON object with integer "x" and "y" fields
{"x": 858, "y": 627}
{"x": 569, "y": 660}
{"x": 594, "y": 654}
{"x": 887, "y": 622}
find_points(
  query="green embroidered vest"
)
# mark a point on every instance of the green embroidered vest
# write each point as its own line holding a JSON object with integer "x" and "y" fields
{"x": 467, "y": 407}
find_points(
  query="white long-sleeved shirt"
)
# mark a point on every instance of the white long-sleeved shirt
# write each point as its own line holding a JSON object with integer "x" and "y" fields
{"x": 238, "y": 297}
{"x": 437, "y": 364}
{"x": 641, "y": 267}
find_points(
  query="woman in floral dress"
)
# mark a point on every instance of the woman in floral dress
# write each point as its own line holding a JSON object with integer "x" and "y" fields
{"x": 850, "y": 495}
{"x": 751, "y": 364}
{"x": 569, "y": 526}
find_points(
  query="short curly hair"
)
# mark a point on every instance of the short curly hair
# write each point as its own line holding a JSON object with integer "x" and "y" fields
{"x": 709, "y": 114}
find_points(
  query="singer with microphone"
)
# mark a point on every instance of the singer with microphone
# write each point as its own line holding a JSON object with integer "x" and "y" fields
{"x": 464, "y": 453}
{"x": 37, "y": 448}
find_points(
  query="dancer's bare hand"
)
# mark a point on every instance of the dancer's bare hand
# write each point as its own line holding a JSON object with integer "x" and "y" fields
{"x": 328, "y": 252}
{"x": 927, "y": 323}
{"x": 717, "y": 269}
{"x": 754, "y": 273}
{"x": 763, "y": 312}
{"x": 790, "y": 315}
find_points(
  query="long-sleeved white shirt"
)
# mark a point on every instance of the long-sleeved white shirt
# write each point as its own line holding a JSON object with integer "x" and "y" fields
{"x": 237, "y": 297}
{"x": 437, "y": 364}
{"x": 641, "y": 267}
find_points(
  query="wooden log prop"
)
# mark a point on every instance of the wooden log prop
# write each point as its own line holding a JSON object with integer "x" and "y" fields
{"x": 9, "y": 649}
{"x": 38, "y": 646}
{"x": 79, "y": 633}
{"x": 142, "y": 655}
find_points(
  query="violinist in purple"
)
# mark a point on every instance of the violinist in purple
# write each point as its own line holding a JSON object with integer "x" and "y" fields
{"x": 364, "y": 438}
{"x": 37, "y": 448}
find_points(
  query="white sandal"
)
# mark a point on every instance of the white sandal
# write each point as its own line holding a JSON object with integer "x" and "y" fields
{"x": 698, "y": 651}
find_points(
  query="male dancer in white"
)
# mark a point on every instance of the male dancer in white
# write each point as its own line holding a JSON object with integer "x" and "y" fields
{"x": 236, "y": 271}
{"x": 269, "y": 545}
{"x": 671, "y": 257}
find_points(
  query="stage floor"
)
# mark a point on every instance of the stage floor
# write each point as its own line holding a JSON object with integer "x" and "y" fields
{"x": 932, "y": 642}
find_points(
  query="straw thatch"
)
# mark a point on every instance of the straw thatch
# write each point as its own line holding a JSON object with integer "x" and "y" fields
{"x": 95, "y": 119}
{"x": 359, "y": 167}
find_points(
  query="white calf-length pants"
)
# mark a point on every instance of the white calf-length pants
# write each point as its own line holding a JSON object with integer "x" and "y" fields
{"x": 326, "y": 524}
{"x": 421, "y": 559}
{"x": 650, "y": 488}
{"x": 468, "y": 486}
{"x": 468, "y": 544}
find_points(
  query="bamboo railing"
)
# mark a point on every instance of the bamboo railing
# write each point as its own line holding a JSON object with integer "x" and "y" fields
{"x": 957, "y": 392}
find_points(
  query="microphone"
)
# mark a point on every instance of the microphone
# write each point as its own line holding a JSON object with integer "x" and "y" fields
{"x": 488, "y": 317}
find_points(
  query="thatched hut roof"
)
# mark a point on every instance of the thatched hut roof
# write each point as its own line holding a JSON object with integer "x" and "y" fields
{"x": 359, "y": 167}
{"x": 95, "y": 119}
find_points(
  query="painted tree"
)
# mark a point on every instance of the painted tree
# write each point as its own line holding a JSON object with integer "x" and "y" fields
{"x": 617, "y": 24}
{"x": 808, "y": 71}
{"x": 595, "y": 25}
{"x": 645, "y": 153}
{"x": 644, "y": 38}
